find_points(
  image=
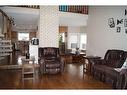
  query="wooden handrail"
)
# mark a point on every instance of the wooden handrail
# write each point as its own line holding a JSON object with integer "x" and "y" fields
{"x": 3, "y": 13}
{"x": 27, "y": 6}
{"x": 8, "y": 25}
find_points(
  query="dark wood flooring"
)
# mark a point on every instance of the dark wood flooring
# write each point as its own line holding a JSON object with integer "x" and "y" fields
{"x": 71, "y": 78}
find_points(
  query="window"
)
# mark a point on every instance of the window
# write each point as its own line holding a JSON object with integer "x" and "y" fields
{"x": 22, "y": 36}
{"x": 72, "y": 41}
{"x": 73, "y": 45}
{"x": 83, "y": 41}
{"x": 77, "y": 40}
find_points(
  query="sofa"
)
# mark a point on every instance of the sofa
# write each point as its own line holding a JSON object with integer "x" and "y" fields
{"x": 105, "y": 68}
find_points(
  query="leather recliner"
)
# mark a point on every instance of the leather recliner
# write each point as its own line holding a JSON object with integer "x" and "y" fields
{"x": 50, "y": 60}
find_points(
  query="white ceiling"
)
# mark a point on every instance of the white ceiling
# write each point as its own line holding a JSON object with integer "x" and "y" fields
{"x": 27, "y": 18}
{"x": 24, "y": 18}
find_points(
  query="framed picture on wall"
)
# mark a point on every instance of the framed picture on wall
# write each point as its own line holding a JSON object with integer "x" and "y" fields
{"x": 125, "y": 22}
{"x": 126, "y": 31}
{"x": 119, "y": 21}
{"x": 111, "y": 22}
{"x": 118, "y": 29}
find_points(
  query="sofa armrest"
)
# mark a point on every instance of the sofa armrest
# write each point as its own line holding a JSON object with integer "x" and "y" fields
{"x": 98, "y": 61}
{"x": 122, "y": 79}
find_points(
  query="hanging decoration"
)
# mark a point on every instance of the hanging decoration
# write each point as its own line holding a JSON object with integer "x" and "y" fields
{"x": 119, "y": 23}
{"x": 111, "y": 22}
{"x": 118, "y": 29}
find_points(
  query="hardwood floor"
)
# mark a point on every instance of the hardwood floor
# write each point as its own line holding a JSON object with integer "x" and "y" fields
{"x": 71, "y": 78}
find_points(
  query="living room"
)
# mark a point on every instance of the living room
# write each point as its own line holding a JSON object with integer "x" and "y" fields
{"x": 100, "y": 38}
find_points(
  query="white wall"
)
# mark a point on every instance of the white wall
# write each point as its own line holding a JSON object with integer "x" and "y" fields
{"x": 72, "y": 19}
{"x": 48, "y": 26}
{"x": 100, "y": 37}
{"x": 83, "y": 29}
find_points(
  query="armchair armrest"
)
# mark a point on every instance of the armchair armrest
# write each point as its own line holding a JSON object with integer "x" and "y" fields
{"x": 42, "y": 64}
{"x": 123, "y": 71}
{"x": 62, "y": 60}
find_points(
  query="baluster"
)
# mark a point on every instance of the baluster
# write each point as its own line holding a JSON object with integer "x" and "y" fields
{"x": 74, "y": 9}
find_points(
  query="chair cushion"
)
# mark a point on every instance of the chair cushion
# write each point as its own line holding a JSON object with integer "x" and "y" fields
{"x": 50, "y": 58}
{"x": 99, "y": 68}
{"x": 53, "y": 71}
{"x": 108, "y": 71}
{"x": 111, "y": 72}
{"x": 52, "y": 64}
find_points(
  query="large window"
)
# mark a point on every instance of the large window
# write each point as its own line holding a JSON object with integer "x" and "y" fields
{"x": 22, "y": 36}
{"x": 77, "y": 40}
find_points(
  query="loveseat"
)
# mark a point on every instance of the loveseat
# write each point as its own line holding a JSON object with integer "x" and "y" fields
{"x": 105, "y": 68}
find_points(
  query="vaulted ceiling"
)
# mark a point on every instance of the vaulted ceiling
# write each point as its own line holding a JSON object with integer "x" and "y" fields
{"x": 28, "y": 18}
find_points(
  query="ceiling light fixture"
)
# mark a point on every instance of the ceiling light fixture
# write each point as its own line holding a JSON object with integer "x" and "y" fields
{"x": 12, "y": 21}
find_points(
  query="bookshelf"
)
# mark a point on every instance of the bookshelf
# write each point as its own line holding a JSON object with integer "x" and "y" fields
{"x": 5, "y": 47}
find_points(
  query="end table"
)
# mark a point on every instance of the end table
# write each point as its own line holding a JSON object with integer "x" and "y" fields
{"x": 89, "y": 67}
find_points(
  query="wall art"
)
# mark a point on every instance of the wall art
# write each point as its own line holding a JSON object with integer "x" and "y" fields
{"x": 119, "y": 21}
{"x": 111, "y": 22}
{"x": 118, "y": 29}
{"x": 125, "y": 22}
{"x": 126, "y": 31}
{"x": 125, "y": 12}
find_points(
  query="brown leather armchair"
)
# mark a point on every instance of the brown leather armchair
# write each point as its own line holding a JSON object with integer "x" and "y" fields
{"x": 50, "y": 60}
{"x": 105, "y": 68}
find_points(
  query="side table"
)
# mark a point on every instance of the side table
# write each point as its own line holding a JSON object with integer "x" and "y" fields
{"x": 89, "y": 67}
{"x": 67, "y": 58}
{"x": 28, "y": 69}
